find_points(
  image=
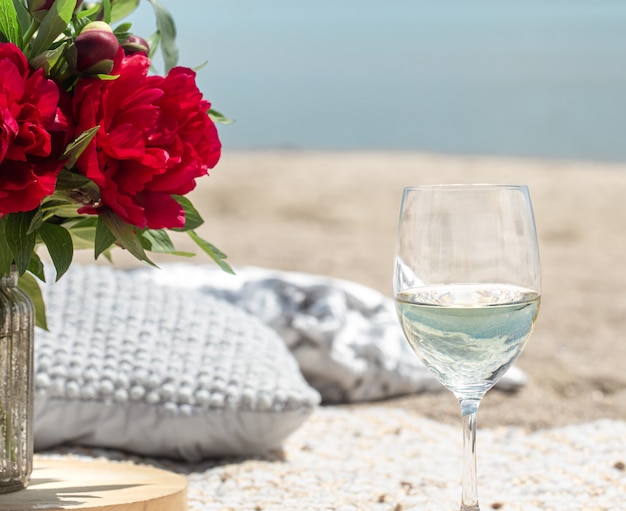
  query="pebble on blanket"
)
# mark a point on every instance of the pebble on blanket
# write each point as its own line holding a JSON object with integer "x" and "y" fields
{"x": 381, "y": 458}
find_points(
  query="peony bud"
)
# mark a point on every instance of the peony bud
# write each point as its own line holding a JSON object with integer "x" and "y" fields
{"x": 96, "y": 47}
{"x": 136, "y": 44}
{"x": 39, "y": 8}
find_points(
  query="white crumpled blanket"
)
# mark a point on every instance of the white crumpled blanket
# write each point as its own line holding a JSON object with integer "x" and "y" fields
{"x": 345, "y": 336}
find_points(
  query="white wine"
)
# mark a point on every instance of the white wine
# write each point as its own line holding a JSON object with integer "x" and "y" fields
{"x": 468, "y": 335}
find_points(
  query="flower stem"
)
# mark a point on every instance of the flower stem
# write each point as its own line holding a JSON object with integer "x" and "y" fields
{"x": 5, "y": 415}
{"x": 34, "y": 25}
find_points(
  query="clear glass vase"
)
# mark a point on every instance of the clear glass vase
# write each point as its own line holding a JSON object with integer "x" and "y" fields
{"x": 17, "y": 324}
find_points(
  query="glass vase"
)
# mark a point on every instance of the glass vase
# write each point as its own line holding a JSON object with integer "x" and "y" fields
{"x": 17, "y": 334}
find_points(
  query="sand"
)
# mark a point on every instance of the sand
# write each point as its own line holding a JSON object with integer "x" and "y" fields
{"x": 335, "y": 214}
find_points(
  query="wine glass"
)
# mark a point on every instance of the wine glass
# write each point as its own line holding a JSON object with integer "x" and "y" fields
{"x": 467, "y": 287}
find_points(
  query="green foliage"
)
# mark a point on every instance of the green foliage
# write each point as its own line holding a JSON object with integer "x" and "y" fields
{"x": 212, "y": 251}
{"x": 193, "y": 219}
{"x": 10, "y": 30}
{"x": 6, "y": 256}
{"x": 20, "y": 241}
{"x": 106, "y": 11}
{"x": 58, "y": 241}
{"x": 54, "y": 23}
{"x": 78, "y": 145}
{"x": 159, "y": 241}
{"x": 23, "y": 18}
{"x": 89, "y": 13}
{"x": 30, "y": 286}
{"x": 103, "y": 238}
{"x": 36, "y": 267}
{"x": 219, "y": 117}
{"x": 122, "y": 8}
{"x": 167, "y": 34}
{"x": 122, "y": 31}
{"x": 49, "y": 59}
{"x": 126, "y": 235}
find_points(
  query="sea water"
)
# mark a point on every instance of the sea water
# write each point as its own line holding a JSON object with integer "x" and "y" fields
{"x": 516, "y": 77}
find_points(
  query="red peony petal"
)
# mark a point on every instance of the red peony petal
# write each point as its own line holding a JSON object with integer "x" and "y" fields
{"x": 162, "y": 211}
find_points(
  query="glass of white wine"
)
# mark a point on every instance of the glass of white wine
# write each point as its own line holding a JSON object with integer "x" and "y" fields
{"x": 467, "y": 287}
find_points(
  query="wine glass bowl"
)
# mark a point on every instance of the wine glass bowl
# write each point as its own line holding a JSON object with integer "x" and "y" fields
{"x": 468, "y": 335}
{"x": 467, "y": 288}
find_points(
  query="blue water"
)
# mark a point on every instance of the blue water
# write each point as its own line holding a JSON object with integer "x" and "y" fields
{"x": 542, "y": 78}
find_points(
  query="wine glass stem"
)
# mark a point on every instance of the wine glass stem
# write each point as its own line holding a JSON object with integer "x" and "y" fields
{"x": 469, "y": 410}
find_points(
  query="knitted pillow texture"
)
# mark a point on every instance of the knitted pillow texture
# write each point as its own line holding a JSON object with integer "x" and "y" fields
{"x": 160, "y": 371}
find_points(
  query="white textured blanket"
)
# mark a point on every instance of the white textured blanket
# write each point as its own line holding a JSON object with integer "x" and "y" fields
{"x": 368, "y": 457}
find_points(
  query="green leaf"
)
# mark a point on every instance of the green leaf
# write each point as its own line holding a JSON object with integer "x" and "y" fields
{"x": 122, "y": 8}
{"x": 48, "y": 59}
{"x": 23, "y": 16}
{"x": 30, "y": 286}
{"x": 76, "y": 147}
{"x": 35, "y": 221}
{"x": 6, "y": 256}
{"x": 200, "y": 66}
{"x": 218, "y": 117}
{"x": 122, "y": 31}
{"x": 88, "y": 13}
{"x": 83, "y": 239}
{"x": 167, "y": 31}
{"x": 53, "y": 24}
{"x": 122, "y": 28}
{"x": 58, "y": 241}
{"x": 36, "y": 267}
{"x": 106, "y": 78}
{"x": 106, "y": 11}
{"x": 10, "y": 30}
{"x": 153, "y": 41}
{"x": 158, "y": 240}
{"x": 193, "y": 220}
{"x": 62, "y": 210}
{"x": 20, "y": 242}
{"x": 83, "y": 232}
{"x": 212, "y": 251}
{"x": 103, "y": 240}
{"x": 125, "y": 235}
{"x": 68, "y": 180}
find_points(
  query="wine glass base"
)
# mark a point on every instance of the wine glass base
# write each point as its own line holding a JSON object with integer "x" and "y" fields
{"x": 470, "y": 508}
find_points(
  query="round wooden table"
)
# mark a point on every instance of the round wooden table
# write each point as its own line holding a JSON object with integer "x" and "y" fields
{"x": 60, "y": 484}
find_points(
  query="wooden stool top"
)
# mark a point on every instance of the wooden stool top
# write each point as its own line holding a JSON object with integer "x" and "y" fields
{"x": 67, "y": 483}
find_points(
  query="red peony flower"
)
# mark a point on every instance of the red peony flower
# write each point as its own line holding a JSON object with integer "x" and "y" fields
{"x": 33, "y": 132}
{"x": 155, "y": 139}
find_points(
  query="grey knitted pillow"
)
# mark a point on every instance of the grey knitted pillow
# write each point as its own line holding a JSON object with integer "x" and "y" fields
{"x": 161, "y": 372}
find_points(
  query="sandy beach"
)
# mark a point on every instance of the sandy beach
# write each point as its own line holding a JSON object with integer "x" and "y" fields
{"x": 335, "y": 214}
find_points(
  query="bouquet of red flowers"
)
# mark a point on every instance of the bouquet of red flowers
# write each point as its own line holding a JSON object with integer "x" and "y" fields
{"x": 95, "y": 151}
